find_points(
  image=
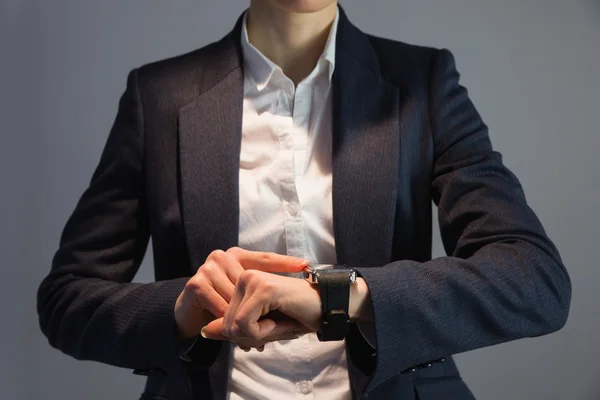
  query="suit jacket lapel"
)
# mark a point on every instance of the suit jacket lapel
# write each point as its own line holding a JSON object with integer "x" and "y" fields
{"x": 366, "y": 137}
{"x": 209, "y": 151}
{"x": 209, "y": 159}
{"x": 365, "y": 152}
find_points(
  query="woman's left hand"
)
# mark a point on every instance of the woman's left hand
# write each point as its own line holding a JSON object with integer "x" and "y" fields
{"x": 257, "y": 296}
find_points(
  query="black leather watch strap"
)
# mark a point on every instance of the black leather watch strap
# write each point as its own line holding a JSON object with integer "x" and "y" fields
{"x": 335, "y": 297}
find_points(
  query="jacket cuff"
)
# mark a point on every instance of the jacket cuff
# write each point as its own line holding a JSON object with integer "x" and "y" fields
{"x": 361, "y": 354}
{"x": 163, "y": 346}
{"x": 199, "y": 353}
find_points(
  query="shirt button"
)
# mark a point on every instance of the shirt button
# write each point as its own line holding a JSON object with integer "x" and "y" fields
{"x": 294, "y": 209}
{"x": 305, "y": 387}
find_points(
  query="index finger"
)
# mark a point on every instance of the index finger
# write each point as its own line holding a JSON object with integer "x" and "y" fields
{"x": 268, "y": 262}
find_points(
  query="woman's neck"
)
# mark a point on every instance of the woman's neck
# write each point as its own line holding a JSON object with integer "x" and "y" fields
{"x": 293, "y": 41}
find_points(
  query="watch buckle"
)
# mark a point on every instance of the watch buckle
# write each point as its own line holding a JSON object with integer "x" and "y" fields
{"x": 336, "y": 317}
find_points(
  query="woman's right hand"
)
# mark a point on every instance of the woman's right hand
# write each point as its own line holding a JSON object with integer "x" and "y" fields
{"x": 207, "y": 294}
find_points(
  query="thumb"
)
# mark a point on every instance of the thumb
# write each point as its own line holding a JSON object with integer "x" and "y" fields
{"x": 213, "y": 330}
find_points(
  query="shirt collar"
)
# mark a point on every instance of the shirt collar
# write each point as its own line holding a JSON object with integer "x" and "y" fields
{"x": 262, "y": 69}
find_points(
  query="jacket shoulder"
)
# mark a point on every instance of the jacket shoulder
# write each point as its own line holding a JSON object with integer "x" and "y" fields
{"x": 179, "y": 75}
{"x": 403, "y": 62}
{"x": 182, "y": 63}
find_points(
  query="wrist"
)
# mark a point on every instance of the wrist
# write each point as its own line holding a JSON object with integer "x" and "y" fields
{"x": 303, "y": 303}
{"x": 360, "y": 307}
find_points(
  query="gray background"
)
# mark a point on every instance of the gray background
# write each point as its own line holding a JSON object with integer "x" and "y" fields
{"x": 532, "y": 70}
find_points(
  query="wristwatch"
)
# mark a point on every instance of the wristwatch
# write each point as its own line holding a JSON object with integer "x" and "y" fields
{"x": 334, "y": 286}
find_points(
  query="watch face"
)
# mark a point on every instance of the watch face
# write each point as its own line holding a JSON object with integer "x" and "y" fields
{"x": 334, "y": 271}
{"x": 312, "y": 273}
{"x": 324, "y": 267}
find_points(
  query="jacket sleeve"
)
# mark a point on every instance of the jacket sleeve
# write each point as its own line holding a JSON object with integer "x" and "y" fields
{"x": 87, "y": 306}
{"x": 503, "y": 278}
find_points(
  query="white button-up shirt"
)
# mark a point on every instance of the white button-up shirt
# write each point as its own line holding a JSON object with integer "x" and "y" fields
{"x": 286, "y": 207}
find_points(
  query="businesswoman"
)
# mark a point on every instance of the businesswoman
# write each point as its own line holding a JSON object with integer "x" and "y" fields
{"x": 298, "y": 140}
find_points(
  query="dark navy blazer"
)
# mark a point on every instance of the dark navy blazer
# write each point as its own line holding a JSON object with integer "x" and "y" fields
{"x": 405, "y": 134}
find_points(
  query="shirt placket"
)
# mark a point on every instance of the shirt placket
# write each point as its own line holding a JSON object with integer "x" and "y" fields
{"x": 294, "y": 231}
{"x": 291, "y": 109}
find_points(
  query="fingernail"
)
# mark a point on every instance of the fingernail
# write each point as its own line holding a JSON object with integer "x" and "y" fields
{"x": 202, "y": 333}
{"x": 304, "y": 263}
